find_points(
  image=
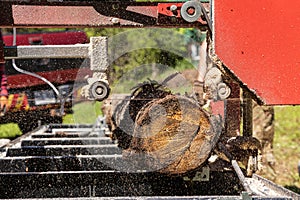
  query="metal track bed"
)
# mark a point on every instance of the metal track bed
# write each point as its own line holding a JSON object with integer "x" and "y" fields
{"x": 64, "y": 161}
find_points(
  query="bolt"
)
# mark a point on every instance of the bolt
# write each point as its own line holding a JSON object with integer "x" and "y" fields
{"x": 191, "y": 10}
{"x": 173, "y": 8}
{"x": 115, "y": 20}
{"x": 222, "y": 91}
{"x": 99, "y": 90}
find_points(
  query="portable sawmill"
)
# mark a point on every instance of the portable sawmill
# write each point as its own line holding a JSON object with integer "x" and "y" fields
{"x": 155, "y": 143}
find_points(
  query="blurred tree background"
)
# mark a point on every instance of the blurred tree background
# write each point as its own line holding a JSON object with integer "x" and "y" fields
{"x": 144, "y": 43}
{"x": 128, "y": 49}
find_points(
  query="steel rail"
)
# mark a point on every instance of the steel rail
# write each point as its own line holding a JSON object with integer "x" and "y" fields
{"x": 47, "y": 51}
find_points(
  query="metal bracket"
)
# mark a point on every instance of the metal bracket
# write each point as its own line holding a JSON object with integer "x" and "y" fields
{"x": 214, "y": 82}
{"x": 98, "y": 86}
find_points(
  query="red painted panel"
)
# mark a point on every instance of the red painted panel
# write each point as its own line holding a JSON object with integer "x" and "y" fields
{"x": 53, "y": 38}
{"x": 57, "y": 77}
{"x": 260, "y": 41}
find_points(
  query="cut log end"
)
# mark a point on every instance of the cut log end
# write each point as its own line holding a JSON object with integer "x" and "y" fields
{"x": 162, "y": 132}
{"x": 175, "y": 132}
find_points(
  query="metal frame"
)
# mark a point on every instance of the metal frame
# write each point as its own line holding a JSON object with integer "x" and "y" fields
{"x": 18, "y": 157}
{"x": 96, "y": 14}
{"x": 46, "y": 51}
{"x": 96, "y": 51}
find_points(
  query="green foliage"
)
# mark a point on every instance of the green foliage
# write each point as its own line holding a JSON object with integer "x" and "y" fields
{"x": 84, "y": 113}
{"x": 192, "y": 35}
{"x": 10, "y": 130}
{"x": 286, "y": 146}
{"x": 131, "y": 48}
{"x": 287, "y": 125}
{"x": 93, "y": 32}
{"x": 142, "y": 73}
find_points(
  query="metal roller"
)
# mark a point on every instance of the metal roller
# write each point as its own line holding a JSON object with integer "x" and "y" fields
{"x": 191, "y": 11}
{"x": 99, "y": 90}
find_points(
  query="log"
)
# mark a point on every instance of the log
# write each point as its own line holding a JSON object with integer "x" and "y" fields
{"x": 121, "y": 110}
{"x": 162, "y": 132}
{"x": 174, "y": 133}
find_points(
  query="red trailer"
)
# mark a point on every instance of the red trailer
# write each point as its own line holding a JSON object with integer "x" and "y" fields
{"x": 30, "y": 97}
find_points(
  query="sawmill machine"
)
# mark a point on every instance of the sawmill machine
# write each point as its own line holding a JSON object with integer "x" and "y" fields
{"x": 252, "y": 46}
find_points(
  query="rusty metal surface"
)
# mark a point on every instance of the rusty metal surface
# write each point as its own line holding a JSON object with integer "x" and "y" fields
{"x": 63, "y": 16}
{"x": 232, "y": 111}
{"x": 95, "y": 15}
{"x": 259, "y": 42}
{"x": 247, "y": 114}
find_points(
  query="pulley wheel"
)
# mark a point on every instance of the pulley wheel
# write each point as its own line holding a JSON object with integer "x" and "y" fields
{"x": 99, "y": 90}
{"x": 223, "y": 91}
{"x": 191, "y": 11}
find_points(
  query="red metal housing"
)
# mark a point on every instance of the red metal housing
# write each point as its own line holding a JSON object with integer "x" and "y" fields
{"x": 259, "y": 42}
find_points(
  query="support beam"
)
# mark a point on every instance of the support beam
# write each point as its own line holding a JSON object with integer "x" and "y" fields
{"x": 247, "y": 114}
{"x": 47, "y": 51}
{"x": 99, "y": 14}
{"x": 232, "y": 111}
